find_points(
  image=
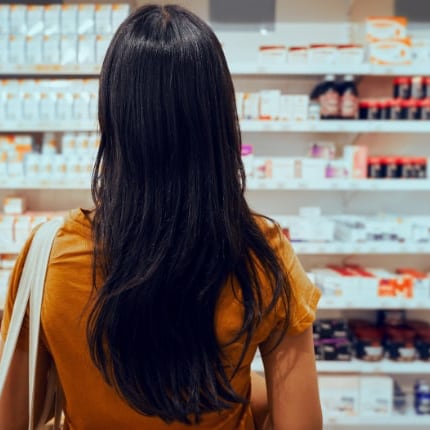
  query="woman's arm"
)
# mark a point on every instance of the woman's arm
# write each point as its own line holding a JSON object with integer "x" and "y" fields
{"x": 292, "y": 383}
{"x": 14, "y": 400}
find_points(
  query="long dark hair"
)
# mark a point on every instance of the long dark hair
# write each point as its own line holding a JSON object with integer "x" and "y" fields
{"x": 171, "y": 224}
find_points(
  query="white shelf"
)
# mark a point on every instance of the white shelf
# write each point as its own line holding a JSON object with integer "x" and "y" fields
{"x": 49, "y": 70}
{"x": 246, "y": 68}
{"x": 253, "y": 68}
{"x": 48, "y": 126}
{"x": 35, "y": 184}
{"x": 335, "y": 126}
{"x": 340, "y": 184}
{"x": 348, "y": 248}
{"x": 362, "y": 367}
{"x": 396, "y": 421}
{"x": 335, "y": 303}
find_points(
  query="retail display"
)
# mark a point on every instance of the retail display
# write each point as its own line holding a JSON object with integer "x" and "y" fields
{"x": 58, "y": 34}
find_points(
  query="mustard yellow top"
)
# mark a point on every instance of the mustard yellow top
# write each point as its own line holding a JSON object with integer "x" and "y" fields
{"x": 90, "y": 403}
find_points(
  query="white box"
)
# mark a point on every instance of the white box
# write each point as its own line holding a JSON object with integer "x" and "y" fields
{"x": 323, "y": 54}
{"x": 119, "y": 14}
{"x": 300, "y": 107}
{"x": 4, "y": 19}
{"x": 270, "y": 104}
{"x": 310, "y": 168}
{"x": 376, "y": 396}
{"x": 340, "y": 396}
{"x": 286, "y": 108}
{"x": 34, "y": 49}
{"x": 103, "y": 19}
{"x": 350, "y": 54}
{"x": 18, "y": 19}
{"x": 69, "y": 19}
{"x": 52, "y": 19}
{"x": 383, "y": 28}
{"x": 4, "y": 49}
{"x": 14, "y": 205}
{"x": 69, "y": 49}
{"x": 51, "y": 49}
{"x": 298, "y": 55}
{"x": 239, "y": 104}
{"x": 87, "y": 49}
{"x": 35, "y": 20}
{"x": 272, "y": 55}
{"x": 6, "y": 229}
{"x": 102, "y": 45}
{"x": 86, "y": 18}
{"x": 17, "y": 49}
{"x": 22, "y": 229}
{"x": 390, "y": 52}
{"x": 251, "y": 106}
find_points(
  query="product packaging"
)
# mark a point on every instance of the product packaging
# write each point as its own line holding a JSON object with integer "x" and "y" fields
{"x": 17, "y": 49}
{"x": 298, "y": 55}
{"x": 52, "y": 19}
{"x": 4, "y": 49}
{"x": 86, "y": 18}
{"x": 356, "y": 160}
{"x": 4, "y": 18}
{"x": 18, "y": 20}
{"x": 248, "y": 160}
{"x": 390, "y": 52}
{"x": 35, "y": 20}
{"x": 51, "y": 49}
{"x": 102, "y": 44}
{"x": 383, "y": 28}
{"x": 69, "y": 19}
{"x": 272, "y": 55}
{"x": 239, "y": 104}
{"x": 350, "y": 54}
{"x": 340, "y": 396}
{"x": 251, "y": 106}
{"x": 270, "y": 104}
{"x": 14, "y": 205}
{"x": 87, "y": 49}
{"x": 69, "y": 49}
{"x": 103, "y": 19}
{"x": 323, "y": 54}
{"x": 376, "y": 396}
{"x": 420, "y": 50}
{"x": 34, "y": 49}
{"x": 119, "y": 14}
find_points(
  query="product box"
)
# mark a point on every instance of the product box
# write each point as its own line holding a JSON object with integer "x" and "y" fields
{"x": 279, "y": 168}
{"x": 34, "y": 49}
{"x": 239, "y": 104}
{"x": 51, "y": 49}
{"x": 323, "y": 54}
{"x": 376, "y": 396}
{"x": 251, "y": 106}
{"x": 69, "y": 49}
{"x": 86, "y": 18}
{"x": 350, "y": 54}
{"x": 356, "y": 159}
{"x": 4, "y": 19}
{"x": 103, "y": 19}
{"x": 35, "y": 20}
{"x": 52, "y": 19}
{"x": 6, "y": 230}
{"x": 270, "y": 104}
{"x": 340, "y": 396}
{"x": 420, "y": 50}
{"x": 102, "y": 44}
{"x": 248, "y": 160}
{"x": 298, "y": 55}
{"x": 22, "y": 228}
{"x": 18, "y": 19}
{"x": 272, "y": 55}
{"x": 69, "y": 19}
{"x": 390, "y": 52}
{"x": 119, "y": 14}
{"x": 309, "y": 168}
{"x": 4, "y": 49}
{"x": 330, "y": 282}
{"x": 87, "y": 49}
{"x": 17, "y": 49}
{"x": 383, "y": 28}
{"x": 14, "y": 205}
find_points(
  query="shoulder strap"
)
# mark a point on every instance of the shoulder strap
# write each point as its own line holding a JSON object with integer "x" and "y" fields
{"x": 32, "y": 281}
{"x": 34, "y": 274}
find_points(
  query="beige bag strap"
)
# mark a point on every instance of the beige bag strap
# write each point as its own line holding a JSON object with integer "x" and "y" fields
{"x": 31, "y": 288}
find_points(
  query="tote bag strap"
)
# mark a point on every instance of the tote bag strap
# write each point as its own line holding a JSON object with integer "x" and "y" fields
{"x": 30, "y": 288}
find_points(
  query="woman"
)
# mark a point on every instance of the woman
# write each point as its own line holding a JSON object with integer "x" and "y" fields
{"x": 156, "y": 301}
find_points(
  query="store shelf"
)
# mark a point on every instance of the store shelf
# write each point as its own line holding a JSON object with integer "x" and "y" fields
{"x": 253, "y": 68}
{"x": 408, "y": 421}
{"x": 35, "y": 184}
{"x": 49, "y": 70}
{"x": 362, "y": 367}
{"x": 334, "y": 126}
{"x": 339, "y": 248}
{"x": 335, "y": 303}
{"x": 48, "y": 126}
{"x": 340, "y": 184}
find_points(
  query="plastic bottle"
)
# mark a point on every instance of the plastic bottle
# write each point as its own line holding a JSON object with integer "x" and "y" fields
{"x": 348, "y": 98}
{"x": 329, "y": 98}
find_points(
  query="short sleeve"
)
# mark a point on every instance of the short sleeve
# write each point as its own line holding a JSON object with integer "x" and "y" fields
{"x": 10, "y": 299}
{"x": 304, "y": 294}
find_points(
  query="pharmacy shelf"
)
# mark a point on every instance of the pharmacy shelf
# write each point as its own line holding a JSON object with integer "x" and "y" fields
{"x": 10, "y": 248}
{"x": 336, "y": 303}
{"x": 246, "y": 68}
{"x": 362, "y": 367}
{"x": 49, "y": 70}
{"x": 253, "y": 69}
{"x": 43, "y": 184}
{"x": 408, "y": 421}
{"x": 339, "y": 185}
{"x": 334, "y": 126}
{"x": 48, "y": 126}
{"x": 348, "y": 248}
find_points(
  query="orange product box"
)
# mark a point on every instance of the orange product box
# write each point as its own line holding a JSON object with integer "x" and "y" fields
{"x": 389, "y": 27}
{"x": 390, "y": 52}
